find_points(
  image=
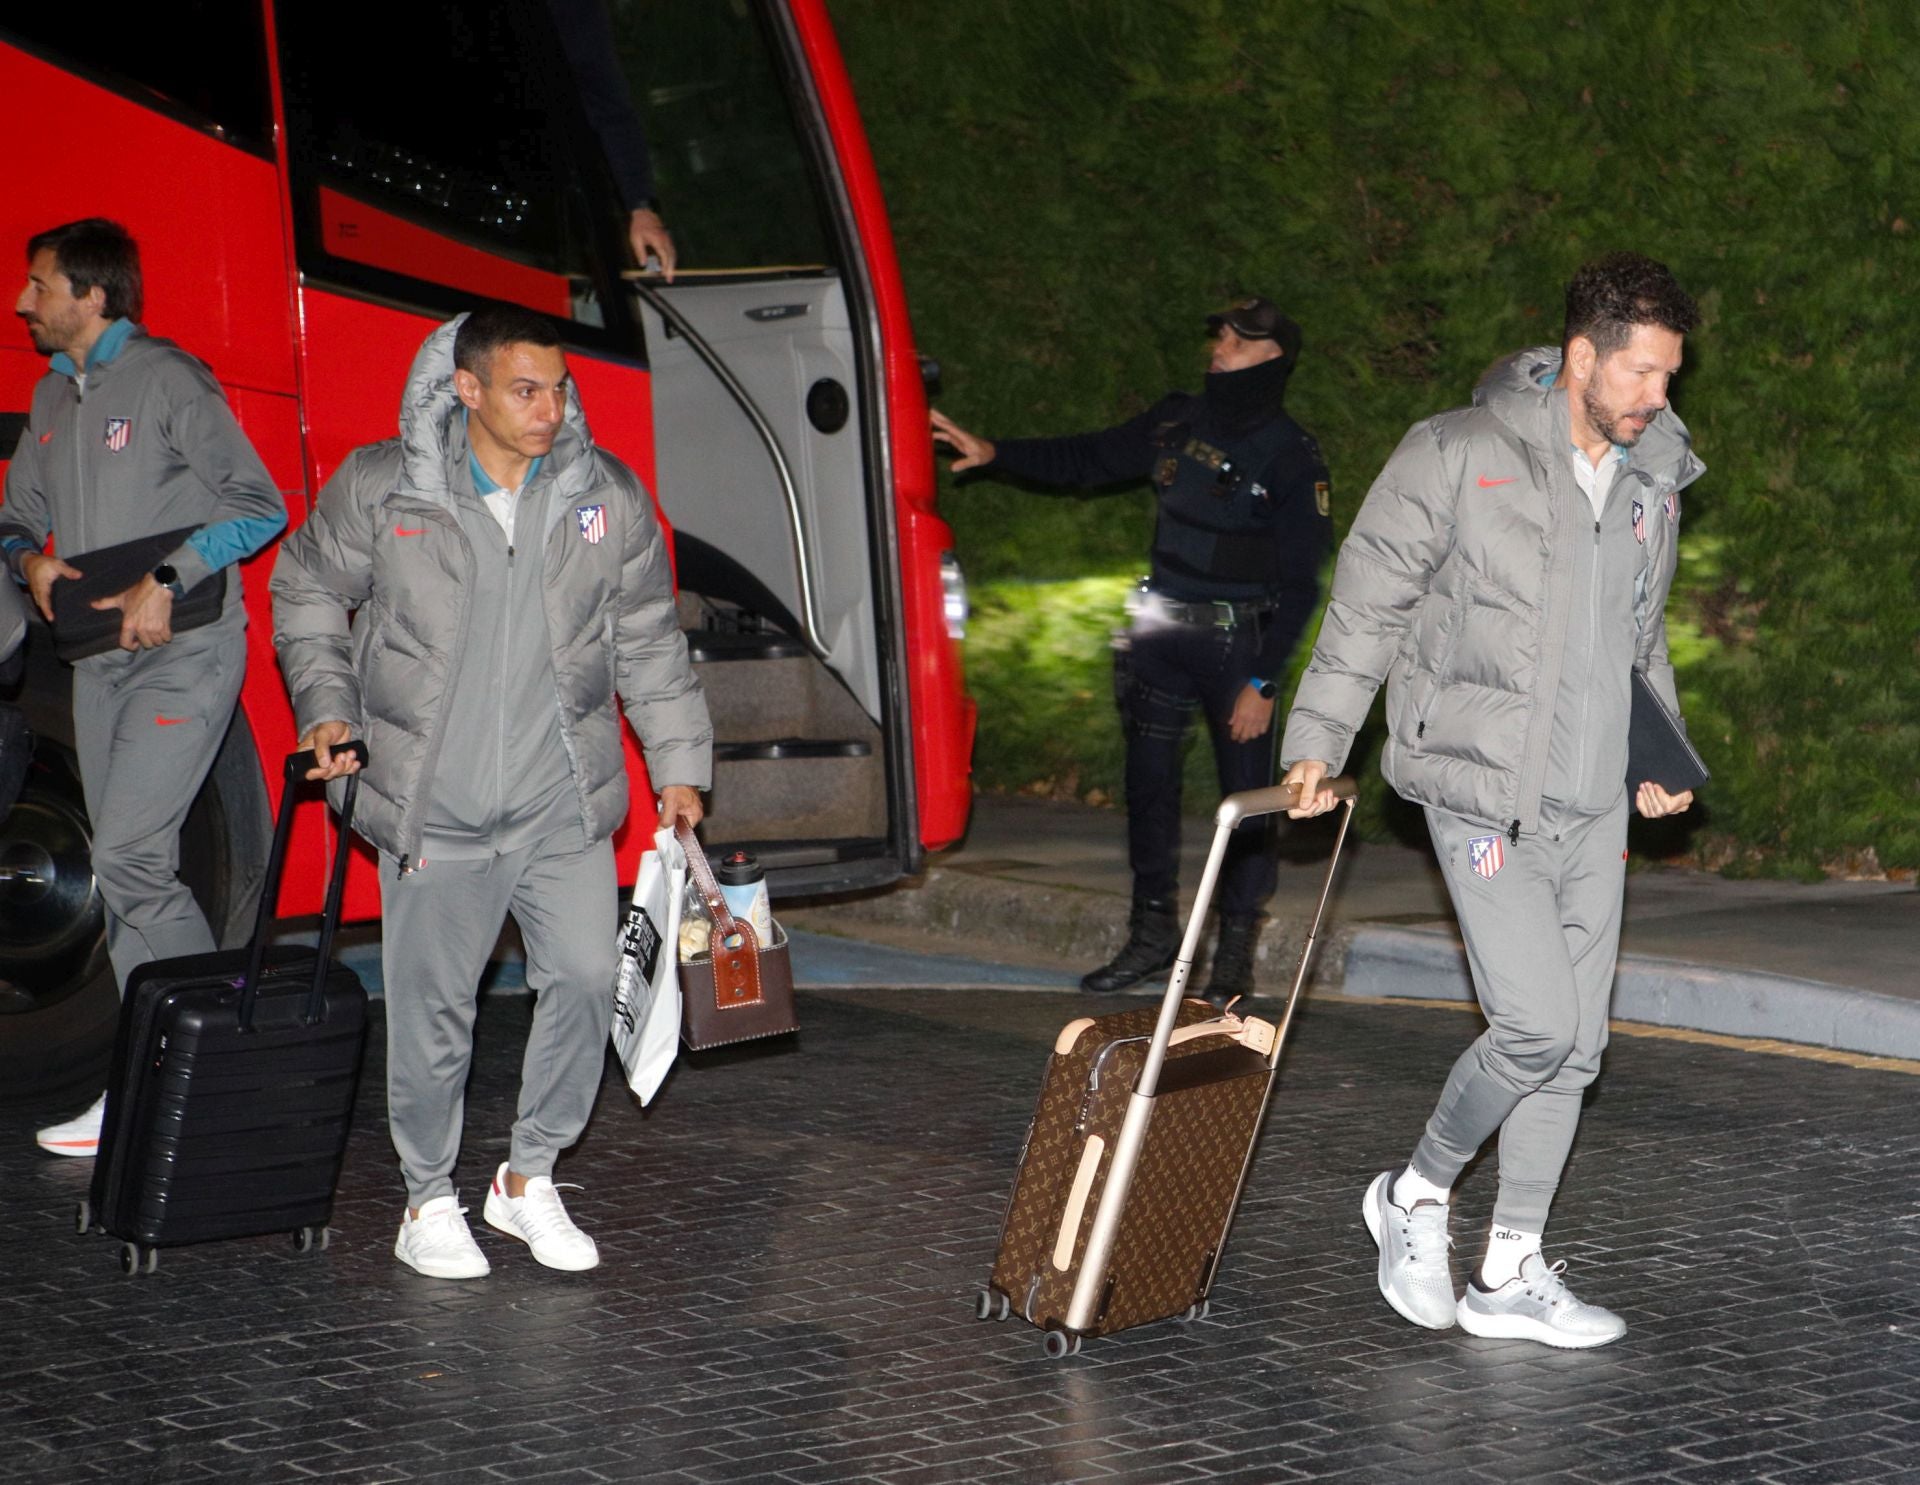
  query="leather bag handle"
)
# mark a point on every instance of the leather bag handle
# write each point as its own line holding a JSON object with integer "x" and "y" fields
{"x": 734, "y": 950}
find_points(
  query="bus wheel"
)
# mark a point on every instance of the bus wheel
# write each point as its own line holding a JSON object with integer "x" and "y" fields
{"x": 59, "y": 1003}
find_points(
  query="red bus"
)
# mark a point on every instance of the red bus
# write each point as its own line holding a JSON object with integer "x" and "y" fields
{"x": 314, "y": 188}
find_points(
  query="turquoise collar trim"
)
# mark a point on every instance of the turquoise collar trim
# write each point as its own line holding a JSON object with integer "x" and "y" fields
{"x": 112, "y": 341}
{"x": 483, "y": 483}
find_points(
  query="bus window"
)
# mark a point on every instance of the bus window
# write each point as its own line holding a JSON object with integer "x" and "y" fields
{"x": 202, "y": 61}
{"x": 736, "y": 185}
{"x": 433, "y": 159}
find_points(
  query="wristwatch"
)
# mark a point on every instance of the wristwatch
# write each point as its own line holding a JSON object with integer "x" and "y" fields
{"x": 167, "y": 578}
{"x": 1267, "y": 689}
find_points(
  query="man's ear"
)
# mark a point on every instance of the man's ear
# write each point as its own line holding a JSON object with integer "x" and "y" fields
{"x": 1582, "y": 356}
{"x": 466, "y": 387}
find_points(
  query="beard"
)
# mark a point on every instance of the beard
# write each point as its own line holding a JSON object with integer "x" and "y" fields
{"x": 1606, "y": 421}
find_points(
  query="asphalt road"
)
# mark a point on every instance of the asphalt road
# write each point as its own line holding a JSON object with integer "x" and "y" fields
{"x": 794, "y": 1233}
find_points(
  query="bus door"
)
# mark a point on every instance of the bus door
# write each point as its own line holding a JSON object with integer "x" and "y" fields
{"x": 765, "y": 450}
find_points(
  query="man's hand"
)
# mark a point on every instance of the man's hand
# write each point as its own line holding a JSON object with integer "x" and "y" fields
{"x": 146, "y": 614}
{"x": 680, "y": 802}
{"x": 973, "y": 450}
{"x": 648, "y": 234}
{"x": 41, "y": 573}
{"x": 1654, "y": 802}
{"x": 323, "y": 739}
{"x": 1252, "y": 715}
{"x": 1309, "y": 774}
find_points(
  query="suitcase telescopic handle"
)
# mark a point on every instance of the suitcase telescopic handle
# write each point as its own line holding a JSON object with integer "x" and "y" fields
{"x": 1235, "y": 808}
{"x": 293, "y": 781}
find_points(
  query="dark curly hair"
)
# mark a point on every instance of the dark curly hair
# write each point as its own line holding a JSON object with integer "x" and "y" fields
{"x": 1609, "y": 297}
{"x": 95, "y": 251}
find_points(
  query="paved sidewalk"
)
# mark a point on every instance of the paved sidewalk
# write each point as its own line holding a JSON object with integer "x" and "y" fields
{"x": 1830, "y": 964}
{"x": 794, "y": 1233}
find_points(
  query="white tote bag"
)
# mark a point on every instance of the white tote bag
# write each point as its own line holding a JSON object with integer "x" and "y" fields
{"x": 646, "y": 991}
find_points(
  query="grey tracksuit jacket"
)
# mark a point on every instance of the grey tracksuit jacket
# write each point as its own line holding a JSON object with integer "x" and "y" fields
{"x": 1476, "y": 583}
{"x": 386, "y": 541}
{"x": 149, "y": 445}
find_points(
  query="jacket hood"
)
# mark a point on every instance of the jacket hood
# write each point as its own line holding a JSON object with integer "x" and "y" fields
{"x": 431, "y": 433}
{"x": 1522, "y": 391}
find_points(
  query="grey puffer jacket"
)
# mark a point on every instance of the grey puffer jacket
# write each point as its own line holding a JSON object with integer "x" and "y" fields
{"x": 384, "y": 541}
{"x": 1454, "y": 586}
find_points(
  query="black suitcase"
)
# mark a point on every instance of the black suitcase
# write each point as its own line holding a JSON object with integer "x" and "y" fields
{"x": 233, "y": 1082}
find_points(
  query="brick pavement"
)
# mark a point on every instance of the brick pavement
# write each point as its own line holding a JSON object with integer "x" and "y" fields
{"x": 793, "y": 1236}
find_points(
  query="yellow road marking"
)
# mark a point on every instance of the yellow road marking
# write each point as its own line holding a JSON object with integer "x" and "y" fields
{"x": 1766, "y": 1046}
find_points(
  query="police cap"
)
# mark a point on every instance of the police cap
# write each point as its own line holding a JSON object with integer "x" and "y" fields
{"x": 1258, "y": 319}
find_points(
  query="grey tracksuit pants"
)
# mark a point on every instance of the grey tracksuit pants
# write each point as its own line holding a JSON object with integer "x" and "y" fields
{"x": 438, "y": 925}
{"x": 146, "y": 726}
{"x": 1542, "y": 934}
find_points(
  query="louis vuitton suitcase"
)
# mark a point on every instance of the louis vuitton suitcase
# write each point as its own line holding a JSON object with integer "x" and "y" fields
{"x": 233, "y": 1081}
{"x": 1141, "y": 1142}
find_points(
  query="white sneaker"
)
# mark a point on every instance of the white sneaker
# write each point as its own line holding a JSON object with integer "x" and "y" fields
{"x": 437, "y": 1243}
{"x": 80, "y": 1135}
{"x": 540, "y": 1220}
{"x": 1538, "y": 1306}
{"x": 1414, "y": 1277}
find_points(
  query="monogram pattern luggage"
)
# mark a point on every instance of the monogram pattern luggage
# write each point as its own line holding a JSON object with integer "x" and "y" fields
{"x": 1141, "y": 1142}
{"x": 233, "y": 1082}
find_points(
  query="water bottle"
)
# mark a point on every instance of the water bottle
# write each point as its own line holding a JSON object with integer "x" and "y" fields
{"x": 744, "y": 885}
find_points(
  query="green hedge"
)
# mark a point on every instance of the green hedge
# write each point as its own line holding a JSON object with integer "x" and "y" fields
{"x": 1075, "y": 183}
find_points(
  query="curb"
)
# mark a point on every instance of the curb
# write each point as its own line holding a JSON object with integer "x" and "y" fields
{"x": 1431, "y": 964}
{"x": 1080, "y": 928}
{"x": 1065, "y": 926}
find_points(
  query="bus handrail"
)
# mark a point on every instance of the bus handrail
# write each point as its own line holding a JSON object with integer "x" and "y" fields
{"x": 803, "y": 565}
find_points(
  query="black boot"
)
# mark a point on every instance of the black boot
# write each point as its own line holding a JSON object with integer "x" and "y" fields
{"x": 1233, "y": 959}
{"x": 1153, "y": 938}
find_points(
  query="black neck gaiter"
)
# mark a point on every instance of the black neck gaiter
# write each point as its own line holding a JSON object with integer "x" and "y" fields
{"x": 1252, "y": 395}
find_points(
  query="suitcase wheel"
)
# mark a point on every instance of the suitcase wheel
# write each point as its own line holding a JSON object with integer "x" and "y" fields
{"x": 1059, "y": 1343}
{"x": 83, "y": 1217}
{"x": 312, "y": 1239}
{"x": 134, "y": 1259}
{"x": 991, "y": 1304}
{"x": 1198, "y": 1310}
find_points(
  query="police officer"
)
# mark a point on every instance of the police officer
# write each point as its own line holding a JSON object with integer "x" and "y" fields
{"x": 1240, "y": 532}
{"x": 129, "y": 436}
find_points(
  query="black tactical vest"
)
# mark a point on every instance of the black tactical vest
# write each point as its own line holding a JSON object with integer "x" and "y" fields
{"x": 1217, "y": 533}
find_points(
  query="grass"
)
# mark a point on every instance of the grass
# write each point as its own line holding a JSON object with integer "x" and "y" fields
{"x": 1073, "y": 185}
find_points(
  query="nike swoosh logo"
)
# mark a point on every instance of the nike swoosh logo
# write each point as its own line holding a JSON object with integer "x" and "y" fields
{"x": 47, "y": 437}
{"x": 402, "y": 531}
{"x": 170, "y": 721}
{"x": 1487, "y": 484}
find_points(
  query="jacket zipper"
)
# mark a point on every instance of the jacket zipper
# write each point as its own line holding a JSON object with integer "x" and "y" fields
{"x": 506, "y": 658}
{"x": 1579, "y": 781}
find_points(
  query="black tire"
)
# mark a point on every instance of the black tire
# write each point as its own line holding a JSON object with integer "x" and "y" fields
{"x": 59, "y": 1003}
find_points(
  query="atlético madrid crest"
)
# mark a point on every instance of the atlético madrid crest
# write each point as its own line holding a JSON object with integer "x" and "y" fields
{"x": 1486, "y": 855}
{"x": 593, "y": 521}
{"x": 119, "y": 431}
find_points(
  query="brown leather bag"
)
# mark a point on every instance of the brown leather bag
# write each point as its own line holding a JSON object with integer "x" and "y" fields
{"x": 737, "y": 990}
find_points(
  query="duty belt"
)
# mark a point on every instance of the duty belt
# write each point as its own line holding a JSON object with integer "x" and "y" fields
{"x": 1216, "y": 613}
